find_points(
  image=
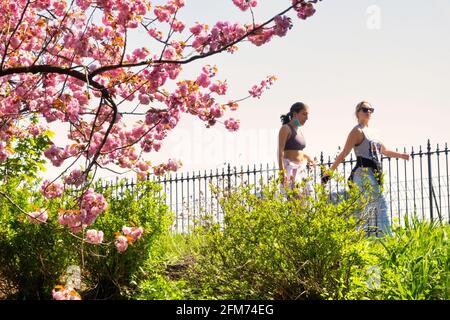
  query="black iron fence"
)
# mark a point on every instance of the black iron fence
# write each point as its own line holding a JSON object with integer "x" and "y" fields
{"x": 419, "y": 187}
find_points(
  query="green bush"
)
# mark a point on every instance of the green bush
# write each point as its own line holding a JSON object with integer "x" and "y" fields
{"x": 412, "y": 264}
{"x": 270, "y": 248}
{"x": 107, "y": 273}
{"x": 34, "y": 258}
{"x": 26, "y": 161}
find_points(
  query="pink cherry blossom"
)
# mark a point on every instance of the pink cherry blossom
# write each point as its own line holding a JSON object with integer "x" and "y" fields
{"x": 156, "y": 145}
{"x": 143, "y": 166}
{"x": 51, "y": 190}
{"x": 203, "y": 80}
{"x": 75, "y": 178}
{"x": 121, "y": 243}
{"x": 162, "y": 13}
{"x": 55, "y": 155}
{"x": 65, "y": 294}
{"x": 134, "y": 232}
{"x": 216, "y": 111}
{"x": 94, "y": 236}
{"x": 197, "y": 28}
{"x": 232, "y": 124}
{"x": 257, "y": 90}
{"x": 219, "y": 87}
{"x": 282, "y": 25}
{"x": 92, "y": 204}
{"x": 144, "y": 99}
{"x": 38, "y": 217}
{"x": 245, "y": 4}
{"x": 173, "y": 165}
{"x": 178, "y": 26}
{"x": 35, "y": 129}
{"x": 179, "y": 3}
{"x": 261, "y": 36}
{"x": 155, "y": 33}
{"x": 305, "y": 10}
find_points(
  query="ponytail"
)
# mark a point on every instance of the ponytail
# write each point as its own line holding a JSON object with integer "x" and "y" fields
{"x": 296, "y": 107}
{"x": 285, "y": 118}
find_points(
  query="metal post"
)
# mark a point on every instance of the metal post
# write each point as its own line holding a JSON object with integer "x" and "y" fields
{"x": 322, "y": 168}
{"x": 430, "y": 177}
{"x": 390, "y": 188}
{"x": 406, "y": 186}
{"x": 414, "y": 181}
{"x": 448, "y": 184}
{"x": 229, "y": 177}
{"x": 439, "y": 179}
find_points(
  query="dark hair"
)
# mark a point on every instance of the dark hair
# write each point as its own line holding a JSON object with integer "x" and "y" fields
{"x": 296, "y": 107}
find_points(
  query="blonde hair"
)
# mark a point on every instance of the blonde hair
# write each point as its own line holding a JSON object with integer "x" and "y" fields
{"x": 359, "y": 106}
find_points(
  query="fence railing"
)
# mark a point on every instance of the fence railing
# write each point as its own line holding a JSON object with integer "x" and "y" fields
{"x": 419, "y": 187}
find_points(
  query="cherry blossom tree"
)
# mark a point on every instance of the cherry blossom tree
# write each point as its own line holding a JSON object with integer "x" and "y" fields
{"x": 70, "y": 62}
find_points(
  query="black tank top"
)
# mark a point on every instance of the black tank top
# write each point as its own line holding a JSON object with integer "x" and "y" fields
{"x": 295, "y": 141}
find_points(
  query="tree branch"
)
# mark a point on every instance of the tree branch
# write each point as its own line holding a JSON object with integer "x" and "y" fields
{"x": 200, "y": 56}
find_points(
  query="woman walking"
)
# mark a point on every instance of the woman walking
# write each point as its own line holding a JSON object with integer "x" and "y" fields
{"x": 368, "y": 151}
{"x": 291, "y": 143}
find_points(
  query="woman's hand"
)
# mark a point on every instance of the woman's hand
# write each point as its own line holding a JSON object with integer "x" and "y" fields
{"x": 325, "y": 175}
{"x": 283, "y": 177}
{"x": 325, "y": 178}
{"x": 311, "y": 162}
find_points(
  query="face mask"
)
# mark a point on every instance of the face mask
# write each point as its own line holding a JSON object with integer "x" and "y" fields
{"x": 297, "y": 123}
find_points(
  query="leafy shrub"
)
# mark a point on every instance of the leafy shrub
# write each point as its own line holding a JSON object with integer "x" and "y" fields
{"x": 34, "y": 258}
{"x": 270, "y": 248}
{"x": 412, "y": 264}
{"x": 108, "y": 273}
{"x": 26, "y": 160}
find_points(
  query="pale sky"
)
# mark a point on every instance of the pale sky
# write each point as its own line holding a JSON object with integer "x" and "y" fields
{"x": 395, "y": 54}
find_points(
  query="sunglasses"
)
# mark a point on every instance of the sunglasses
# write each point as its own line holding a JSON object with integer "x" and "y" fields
{"x": 366, "y": 110}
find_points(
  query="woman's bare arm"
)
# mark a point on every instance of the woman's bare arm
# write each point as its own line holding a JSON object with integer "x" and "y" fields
{"x": 310, "y": 160}
{"x": 394, "y": 154}
{"x": 353, "y": 139}
{"x": 282, "y": 138}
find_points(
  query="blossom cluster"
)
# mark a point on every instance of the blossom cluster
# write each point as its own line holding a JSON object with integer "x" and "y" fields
{"x": 38, "y": 216}
{"x": 257, "y": 90}
{"x": 129, "y": 236}
{"x": 52, "y": 190}
{"x": 94, "y": 236}
{"x": 92, "y": 204}
{"x": 63, "y": 293}
{"x": 245, "y": 4}
{"x": 171, "y": 165}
